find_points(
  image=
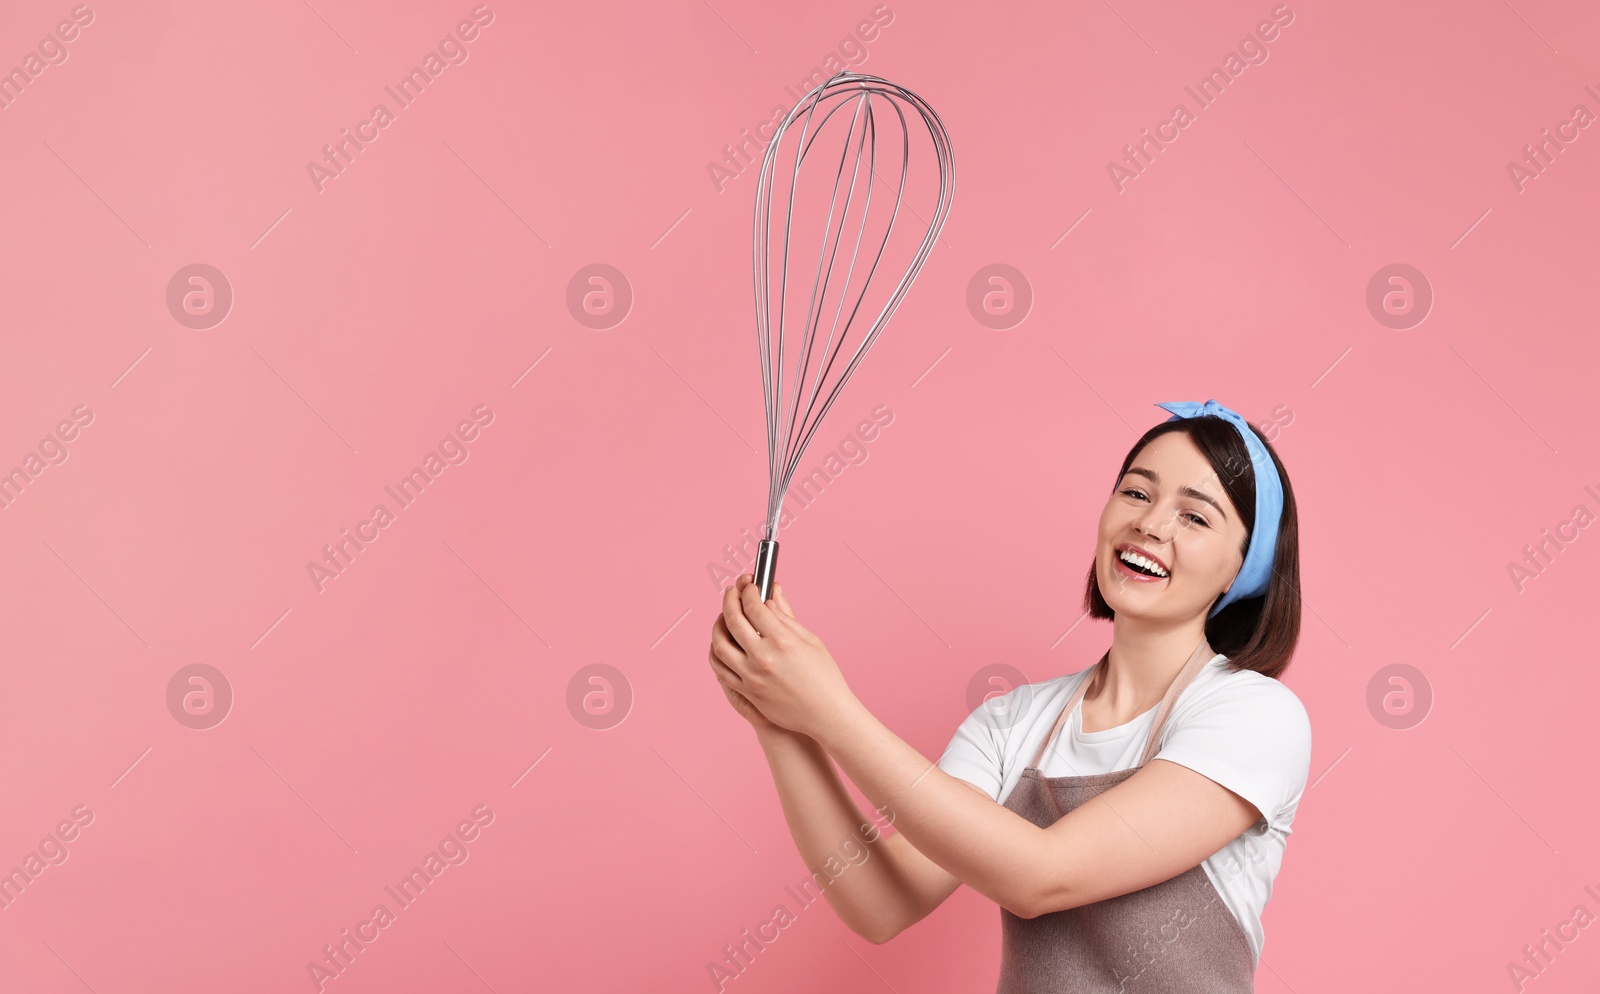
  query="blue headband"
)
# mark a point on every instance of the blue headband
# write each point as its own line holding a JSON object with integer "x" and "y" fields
{"x": 1257, "y": 569}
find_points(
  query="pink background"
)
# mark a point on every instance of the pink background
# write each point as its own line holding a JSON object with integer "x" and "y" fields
{"x": 371, "y": 717}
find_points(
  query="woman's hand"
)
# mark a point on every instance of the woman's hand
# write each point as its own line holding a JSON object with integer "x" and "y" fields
{"x": 749, "y": 712}
{"x": 766, "y": 660}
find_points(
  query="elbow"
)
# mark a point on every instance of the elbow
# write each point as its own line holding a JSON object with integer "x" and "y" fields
{"x": 1022, "y": 906}
{"x": 876, "y": 933}
{"x": 1041, "y": 898}
{"x": 880, "y": 925}
{"x": 885, "y": 927}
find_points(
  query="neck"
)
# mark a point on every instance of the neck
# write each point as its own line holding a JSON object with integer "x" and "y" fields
{"x": 1141, "y": 665}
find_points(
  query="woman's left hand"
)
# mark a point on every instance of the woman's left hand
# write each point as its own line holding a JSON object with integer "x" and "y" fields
{"x": 775, "y": 662}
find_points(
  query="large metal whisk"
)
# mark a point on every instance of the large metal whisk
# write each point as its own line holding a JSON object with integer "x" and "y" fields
{"x": 842, "y": 295}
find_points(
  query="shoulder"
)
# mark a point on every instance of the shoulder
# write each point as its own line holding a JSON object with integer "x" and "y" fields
{"x": 1248, "y": 732}
{"x": 1019, "y": 710}
{"x": 994, "y": 740}
{"x": 1252, "y": 705}
{"x": 1222, "y": 683}
{"x": 1041, "y": 700}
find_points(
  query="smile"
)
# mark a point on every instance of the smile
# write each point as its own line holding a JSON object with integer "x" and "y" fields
{"x": 1134, "y": 564}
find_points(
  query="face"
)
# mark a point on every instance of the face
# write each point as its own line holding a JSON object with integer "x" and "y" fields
{"x": 1170, "y": 504}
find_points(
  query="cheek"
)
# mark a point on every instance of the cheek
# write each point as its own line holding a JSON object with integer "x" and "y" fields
{"x": 1113, "y": 520}
{"x": 1207, "y": 555}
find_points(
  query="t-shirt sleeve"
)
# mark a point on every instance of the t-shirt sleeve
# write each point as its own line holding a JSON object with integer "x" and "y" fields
{"x": 1253, "y": 736}
{"x": 977, "y": 751}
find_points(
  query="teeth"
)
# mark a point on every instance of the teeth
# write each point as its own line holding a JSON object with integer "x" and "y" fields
{"x": 1134, "y": 557}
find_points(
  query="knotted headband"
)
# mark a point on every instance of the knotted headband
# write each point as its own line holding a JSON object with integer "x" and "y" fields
{"x": 1257, "y": 569}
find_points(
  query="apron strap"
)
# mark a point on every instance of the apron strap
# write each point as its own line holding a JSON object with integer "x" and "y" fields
{"x": 1202, "y": 654}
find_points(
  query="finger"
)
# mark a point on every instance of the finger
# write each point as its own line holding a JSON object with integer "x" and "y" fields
{"x": 734, "y": 617}
{"x": 787, "y": 611}
{"x": 747, "y": 579}
{"x": 762, "y": 617}
{"x": 779, "y": 600}
{"x": 779, "y": 614}
{"x": 726, "y": 675}
{"x": 741, "y": 702}
{"x": 724, "y": 647}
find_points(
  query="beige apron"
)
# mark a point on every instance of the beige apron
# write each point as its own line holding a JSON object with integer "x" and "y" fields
{"x": 1174, "y": 937}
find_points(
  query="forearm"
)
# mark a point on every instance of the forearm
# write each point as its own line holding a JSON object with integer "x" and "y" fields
{"x": 864, "y": 885}
{"x": 988, "y": 847}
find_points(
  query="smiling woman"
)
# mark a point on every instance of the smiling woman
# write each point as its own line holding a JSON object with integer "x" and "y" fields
{"x": 1137, "y": 847}
{"x": 1257, "y": 620}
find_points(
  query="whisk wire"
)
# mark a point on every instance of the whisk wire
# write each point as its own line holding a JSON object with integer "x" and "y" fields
{"x": 789, "y": 428}
{"x": 825, "y": 363}
{"x": 820, "y": 281}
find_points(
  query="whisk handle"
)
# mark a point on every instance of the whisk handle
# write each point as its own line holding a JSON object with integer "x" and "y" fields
{"x": 766, "y": 566}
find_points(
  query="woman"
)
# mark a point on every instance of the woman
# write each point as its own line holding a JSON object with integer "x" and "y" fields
{"x": 1137, "y": 850}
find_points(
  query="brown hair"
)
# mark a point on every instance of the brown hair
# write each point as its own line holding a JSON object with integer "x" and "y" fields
{"x": 1255, "y": 633}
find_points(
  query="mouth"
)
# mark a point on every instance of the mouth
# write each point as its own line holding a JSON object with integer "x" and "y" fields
{"x": 1138, "y": 564}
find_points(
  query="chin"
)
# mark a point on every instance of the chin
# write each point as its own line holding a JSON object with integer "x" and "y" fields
{"x": 1130, "y": 602}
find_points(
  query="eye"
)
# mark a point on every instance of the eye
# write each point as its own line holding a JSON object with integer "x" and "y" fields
{"x": 1136, "y": 492}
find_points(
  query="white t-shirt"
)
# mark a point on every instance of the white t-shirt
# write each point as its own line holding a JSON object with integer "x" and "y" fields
{"x": 1243, "y": 730}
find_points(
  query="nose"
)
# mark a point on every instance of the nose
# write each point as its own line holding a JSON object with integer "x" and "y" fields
{"x": 1156, "y": 522}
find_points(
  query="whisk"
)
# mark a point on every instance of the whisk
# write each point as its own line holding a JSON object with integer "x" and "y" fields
{"x": 820, "y": 114}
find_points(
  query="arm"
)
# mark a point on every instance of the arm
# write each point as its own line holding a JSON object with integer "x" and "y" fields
{"x": 1152, "y": 826}
{"x": 895, "y": 886}
{"x": 1156, "y": 824}
{"x": 892, "y": 886}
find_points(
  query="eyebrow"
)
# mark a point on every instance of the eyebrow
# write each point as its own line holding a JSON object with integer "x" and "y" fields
{"x": 1184, "y": 491}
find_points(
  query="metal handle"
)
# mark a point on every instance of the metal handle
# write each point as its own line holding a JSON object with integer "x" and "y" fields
{"x": 766, "y": 565}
